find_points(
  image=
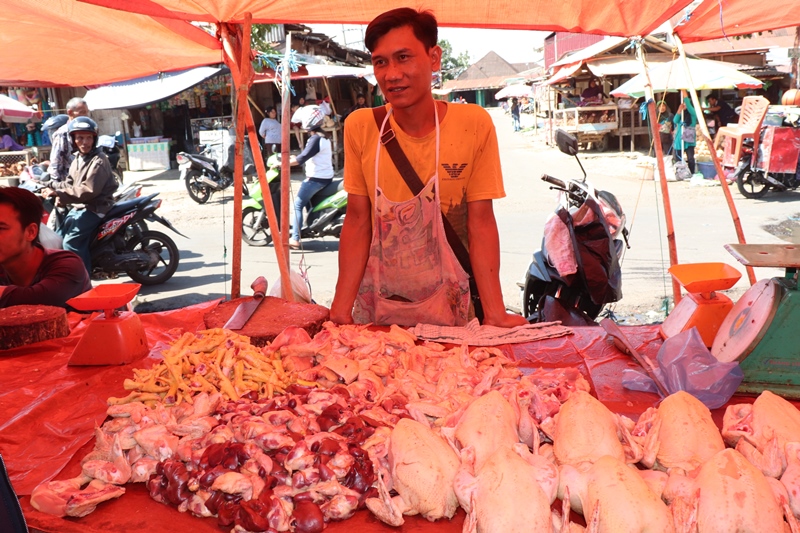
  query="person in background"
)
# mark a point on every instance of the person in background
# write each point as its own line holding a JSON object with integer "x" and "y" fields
{"x": 665, "y": 125}
{"x": 593, "y": 93}
{"x": 317, "y": 158}
{"x": 721, "y": 112}
{"x": 515, "y": 114}
{"x": 361, "y": 103}
{"x": 270, "y": 131}
{"x": 29, "y": 273}
{"x": 61, "y": 153}
{"x": 685, "y": 121}
{"x": 402, "y": 268}
{"x": 7, "y": 142}
{"x": 90, "y": 189}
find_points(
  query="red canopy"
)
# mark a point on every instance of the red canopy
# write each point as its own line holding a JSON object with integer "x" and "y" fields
{"x": 611, "y": 17}
{"x": 715, "y": 19}
{"x": 69, "y": 43}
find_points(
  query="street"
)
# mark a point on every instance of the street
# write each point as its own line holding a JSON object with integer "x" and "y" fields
{"x": 701, "y": 217}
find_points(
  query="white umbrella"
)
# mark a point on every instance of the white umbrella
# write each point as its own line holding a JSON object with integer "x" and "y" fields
{"x": 517, "y": 90}
{"x": 672, "y": 76}
{"x": 13, "y": 111}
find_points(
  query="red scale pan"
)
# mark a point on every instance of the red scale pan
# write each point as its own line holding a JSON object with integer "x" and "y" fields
{"x": 113, "y": 337}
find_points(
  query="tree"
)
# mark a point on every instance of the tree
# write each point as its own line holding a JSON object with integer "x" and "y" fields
{"x": 452, "y": 65}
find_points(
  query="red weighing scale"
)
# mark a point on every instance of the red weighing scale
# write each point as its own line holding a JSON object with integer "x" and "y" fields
{"x": 114, "y": 337}
{"x": 702, "y": 308}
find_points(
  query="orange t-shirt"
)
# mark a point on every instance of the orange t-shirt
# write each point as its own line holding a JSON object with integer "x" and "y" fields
{"x": 469, "y": 160}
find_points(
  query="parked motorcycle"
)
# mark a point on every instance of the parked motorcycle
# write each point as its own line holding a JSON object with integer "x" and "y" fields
{"x": 326, "y": 215}
{"x": 111, "y": 147}
{"x": 576, "y": 272}
{"x": 204, "y": 176}
{"x": 752, "y": 178}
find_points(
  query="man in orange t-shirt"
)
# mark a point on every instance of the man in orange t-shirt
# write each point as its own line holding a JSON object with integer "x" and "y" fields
{"x": 466, "y": 167}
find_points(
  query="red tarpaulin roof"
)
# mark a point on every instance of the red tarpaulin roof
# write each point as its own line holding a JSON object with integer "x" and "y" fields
{"x": 611, "y": 17}
{"x": 714, "y": 19}
{"x": 69, "y": 43}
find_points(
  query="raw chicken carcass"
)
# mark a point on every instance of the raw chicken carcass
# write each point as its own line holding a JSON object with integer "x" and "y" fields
{"x": 423, "y": 467}
{"x": 678, "y": 434}
{"x": 584, "y": 430}
{"x": 488, "y": 424}
{"x": 513, "y": 491}
{"x": 728, "y": 494}
{"x": 615, "y": 496}
{"x": 65, "y": 498}
{"x": 761, "y": 431}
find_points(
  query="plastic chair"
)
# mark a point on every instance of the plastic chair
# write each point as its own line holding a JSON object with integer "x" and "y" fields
{"x": 754, "y": 109}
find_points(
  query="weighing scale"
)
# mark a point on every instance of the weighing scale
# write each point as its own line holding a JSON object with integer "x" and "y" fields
{"x": 763, "y": 328}
{"x": 702, "y": 308}
{"x": 114, "y": 337}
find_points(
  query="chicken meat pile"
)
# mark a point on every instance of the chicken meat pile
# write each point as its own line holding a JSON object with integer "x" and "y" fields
{"x": 377, "y": 420}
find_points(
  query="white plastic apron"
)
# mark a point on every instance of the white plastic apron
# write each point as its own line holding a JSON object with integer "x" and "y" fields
{"x": 412, "y": 275}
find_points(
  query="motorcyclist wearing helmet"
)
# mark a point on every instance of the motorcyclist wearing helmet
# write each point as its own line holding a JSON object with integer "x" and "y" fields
{"x": 317, "y": 158}
{"x": 61, "y": 151}
{"x": 89, "y": 189}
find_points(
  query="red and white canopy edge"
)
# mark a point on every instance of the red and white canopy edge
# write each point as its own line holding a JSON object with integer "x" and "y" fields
{"x": 713, "y": 19}
{"x": 14, "y": 111}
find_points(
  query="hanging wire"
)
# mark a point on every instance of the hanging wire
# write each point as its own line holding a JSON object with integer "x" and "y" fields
{"x": 278, "y": 63}
{"x": 224, "y": 248}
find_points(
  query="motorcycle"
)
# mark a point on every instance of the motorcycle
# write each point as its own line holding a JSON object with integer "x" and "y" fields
{"x": 122, "y": 243}
{"x": 204, "y": 176}
{"x": 752, "y": 178}
{"x": 326, "y": 215}
{"x": 111, "y": 147}
{"x": 576, "y": 272}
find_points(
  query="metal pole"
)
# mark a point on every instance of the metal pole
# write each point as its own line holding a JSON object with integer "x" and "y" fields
{"x": 737, "y": 224}
{"x": 651, "y": 109}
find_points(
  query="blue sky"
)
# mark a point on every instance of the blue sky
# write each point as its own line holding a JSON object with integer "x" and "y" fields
{"x": 515, "y": 46}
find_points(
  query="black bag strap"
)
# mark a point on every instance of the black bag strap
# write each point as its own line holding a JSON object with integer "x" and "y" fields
{"x": 410, "y": 176}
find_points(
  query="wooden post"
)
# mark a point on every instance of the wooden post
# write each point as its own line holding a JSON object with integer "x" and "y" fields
{"x": 286, "y": 182}
{"x": 232, "y": 57}
{"x": 717, "y": 165}
{"x": 651, "y": 110}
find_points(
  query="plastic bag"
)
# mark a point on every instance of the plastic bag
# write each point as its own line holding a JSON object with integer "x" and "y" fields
{"x": 300, "y": 286}
{"x": 684, "y": 363}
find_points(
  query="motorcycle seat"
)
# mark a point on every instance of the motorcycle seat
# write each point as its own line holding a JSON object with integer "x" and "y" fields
{"x": 329, "y": 190}
{"x": 127, "y": 205}
{"x": 204, "y": 158}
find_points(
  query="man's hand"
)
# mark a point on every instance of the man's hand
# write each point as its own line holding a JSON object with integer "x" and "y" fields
{"x": 47, "y": 192}
{"x": 506, "y": 320}
{"x": 341, "y": 317}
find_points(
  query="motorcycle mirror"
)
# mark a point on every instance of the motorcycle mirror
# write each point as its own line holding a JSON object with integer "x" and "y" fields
{"x": 568, "y": 144}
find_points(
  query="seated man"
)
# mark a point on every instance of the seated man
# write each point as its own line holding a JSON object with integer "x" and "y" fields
{"x": 90, "y": 189}
{"x": 29, "y": 273}
{"x": 722, "y": 113}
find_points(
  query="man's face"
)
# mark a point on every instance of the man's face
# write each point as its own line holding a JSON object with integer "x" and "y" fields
{"x": 360, "y": 100}
{"x": 404, "y": 68}
{"x": 14, "y": 240}
{"x": 81, "y": 110}
{"x": 84, "y": 141}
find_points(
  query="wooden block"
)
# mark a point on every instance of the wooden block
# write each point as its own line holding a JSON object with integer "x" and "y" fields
{"x": 271, "y": 317}
{"x": 26, "y": 324}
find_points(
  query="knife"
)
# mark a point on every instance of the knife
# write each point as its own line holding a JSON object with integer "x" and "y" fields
{"x": 623, "y": 344}
{"x": 247, "y": 308}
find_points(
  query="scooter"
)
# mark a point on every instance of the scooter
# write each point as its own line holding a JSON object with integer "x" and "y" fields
{"x": 752, "y": 178}
{"x": 326, "y": 215}
{"x": 576, "y": 272}
{"x": 204, "y": 176}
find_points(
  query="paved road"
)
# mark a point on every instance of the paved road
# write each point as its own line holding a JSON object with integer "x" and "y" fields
{"x": 702, "y": 221}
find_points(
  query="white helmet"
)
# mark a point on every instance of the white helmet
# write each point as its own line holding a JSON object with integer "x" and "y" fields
{"x": 310, "y": 117}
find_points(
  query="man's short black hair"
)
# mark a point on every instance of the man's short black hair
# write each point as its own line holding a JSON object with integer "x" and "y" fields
{"x": 28, "y": 207}
{"x": 423, "y": 23}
